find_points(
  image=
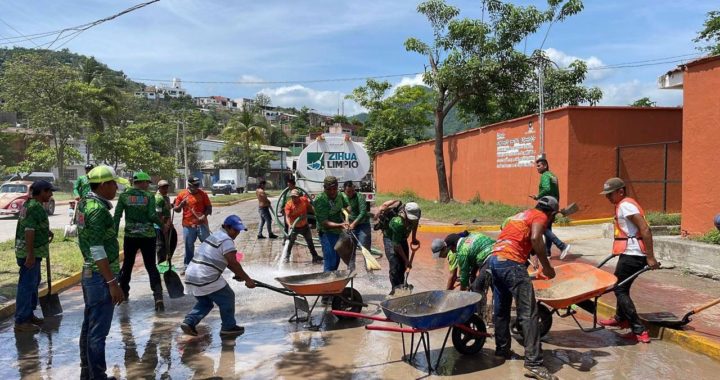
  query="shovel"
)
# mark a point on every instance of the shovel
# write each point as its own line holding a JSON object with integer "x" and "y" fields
{"x": 405, "y": 287}
{"x": 667, "y": 319}
{"x": 173, "y": 283}
{"x": 570, "y": 209}
{"x": 50, "y": 303}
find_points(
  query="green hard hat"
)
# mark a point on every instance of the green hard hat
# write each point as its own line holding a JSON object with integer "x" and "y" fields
{"x": 103, "y": 173}
{"x": 141, "y": 176}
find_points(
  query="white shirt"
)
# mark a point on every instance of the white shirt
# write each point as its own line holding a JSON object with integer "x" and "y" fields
{"x": 204, "y": 274}
{"x": 624, "y": 210}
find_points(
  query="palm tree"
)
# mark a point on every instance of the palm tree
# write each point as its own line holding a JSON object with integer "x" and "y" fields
{"x": 243, "y": 131}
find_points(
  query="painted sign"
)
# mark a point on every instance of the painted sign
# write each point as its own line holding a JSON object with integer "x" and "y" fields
{"x": 516, "y": 152}
{"x": 333, "y": 154}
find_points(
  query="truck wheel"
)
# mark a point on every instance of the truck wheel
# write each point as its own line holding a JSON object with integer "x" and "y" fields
{"x": 227, "y": 192}
{"x": 241, "y": 190}
{"x": 213, "y": 193}
{"x": 51, "y": 207}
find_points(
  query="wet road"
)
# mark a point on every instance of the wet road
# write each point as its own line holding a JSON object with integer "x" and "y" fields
{"x": 145, "y": 344}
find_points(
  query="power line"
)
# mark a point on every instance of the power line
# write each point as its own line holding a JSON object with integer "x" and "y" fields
{"x": 17, "y": 31}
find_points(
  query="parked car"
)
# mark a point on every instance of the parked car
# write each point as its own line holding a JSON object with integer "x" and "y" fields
{"x": 224, "y": 186}
{"x": 13, "y": 196}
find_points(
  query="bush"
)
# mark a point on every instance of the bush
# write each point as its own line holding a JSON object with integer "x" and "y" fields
{"x": 476, "y": 200}
{"x": 712, "y": 237}
{"x": 663, "y": 219}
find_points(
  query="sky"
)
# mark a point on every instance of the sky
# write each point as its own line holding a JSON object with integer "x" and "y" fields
{"x": 312, "y": 42}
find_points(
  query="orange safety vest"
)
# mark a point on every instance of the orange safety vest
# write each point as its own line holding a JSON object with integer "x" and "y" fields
{"x": 621, "y": 238}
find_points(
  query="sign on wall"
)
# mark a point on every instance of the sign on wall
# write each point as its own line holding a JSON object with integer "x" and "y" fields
{"x": 518, "y": 152}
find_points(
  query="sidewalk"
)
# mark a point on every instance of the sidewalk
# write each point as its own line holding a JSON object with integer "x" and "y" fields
{"x": 665, "y": 290}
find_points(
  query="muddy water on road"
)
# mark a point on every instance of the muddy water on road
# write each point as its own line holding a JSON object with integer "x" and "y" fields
{"x": 145, "y": 344}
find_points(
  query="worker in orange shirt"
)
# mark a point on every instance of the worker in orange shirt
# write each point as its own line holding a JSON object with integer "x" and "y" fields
{"x": 195, "y": 205}
{"x": 296, "y": 212}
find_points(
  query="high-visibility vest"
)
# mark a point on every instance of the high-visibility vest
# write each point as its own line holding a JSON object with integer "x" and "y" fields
{"x": 620, "y": 241}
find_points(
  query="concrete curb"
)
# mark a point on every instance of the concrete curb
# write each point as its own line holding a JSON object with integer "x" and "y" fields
{"x": 685, "y": 339}
{"x": 58, "y": 286}
{"x": 494, "y": 227}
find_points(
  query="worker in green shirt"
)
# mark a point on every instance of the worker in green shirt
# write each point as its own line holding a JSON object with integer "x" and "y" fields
{"x": 97, "y": 237}
{"x": 165, "y": 228}
{"x": 395, "y": 236}
{"x": 81, "y": 186}
{"x": 549, "y": 186}
{"x": 328, "y": 207}
{"x": 467, "y": 254}
{"x": 32, "y": 244}
{"x": 359, "y": 218}
{"x": 138, "y": 204}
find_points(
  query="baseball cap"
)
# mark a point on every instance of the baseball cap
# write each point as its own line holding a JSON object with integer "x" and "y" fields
{"x": 611, "y": 185}
{"x": 42, "y": 184}
{"x": 548, "y": 203}
{"x": 89, "y": 166}
{"x": 295, "y": 193}
{"x": 330, "y": 181}
{"x": 234, "y": 222}
{"x": 141, "y": 176}
{"x": 163, "y": 182}
{"x": 412, "y": 210}
{"x": 104, "y": 173}
{"x": 437, "y": 246}
{"x": 194, "y": 181}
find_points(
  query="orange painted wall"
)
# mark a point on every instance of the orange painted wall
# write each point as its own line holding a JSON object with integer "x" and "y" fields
{"x": 701, "y": 135}
{"x": 579, "y": 143}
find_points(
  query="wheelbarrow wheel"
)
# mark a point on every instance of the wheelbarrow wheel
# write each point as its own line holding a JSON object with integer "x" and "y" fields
{"x": 465, "y": 343}
{"x": 545, "y": 320}
{"x": 349, "y": 300}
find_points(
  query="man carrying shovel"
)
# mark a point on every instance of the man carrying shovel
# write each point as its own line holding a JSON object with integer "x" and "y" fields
{"x": 32, "y": 244}
{"x": 162, "y": 208}
{"x": 549, "y": 186}
{"x": 395, "y": 236}
{"x": 296, "y": 211}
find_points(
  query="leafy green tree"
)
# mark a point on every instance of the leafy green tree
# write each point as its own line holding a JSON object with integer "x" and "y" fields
{"x": 397, "y": 120}
{"x": 45, "y": 91}
{"x": 301, "y": 124}
{"x": 710, "y": 34}
{"x": 643, "y": 102}
{"x": 243, "y": 138}
{"x": 473, "y": 62}
{"x": 39, "y": 156}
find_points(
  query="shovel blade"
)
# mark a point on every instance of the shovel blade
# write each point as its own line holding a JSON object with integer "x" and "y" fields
{"x": 663, "y": 318}
{"x": 50, "y": 305}
{"x": 173, "y": 284}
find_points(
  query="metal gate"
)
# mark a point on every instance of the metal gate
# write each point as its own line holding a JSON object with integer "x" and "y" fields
{"x": 654, "y": 165}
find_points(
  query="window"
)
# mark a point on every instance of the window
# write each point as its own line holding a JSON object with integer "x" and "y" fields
{"x": 70, "y": 174}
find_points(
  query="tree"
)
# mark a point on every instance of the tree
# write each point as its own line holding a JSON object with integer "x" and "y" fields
{"x": 39, "y": 156}
{"x": 242, "y": 138}
{"x": 643, "y": 102}
{"x": 262, "y": 101}
{"x": 45, "y": 91}
{"x": 710, "y": 34}
{"x": 397, "y": 120}
{"x": 473, "y": 62}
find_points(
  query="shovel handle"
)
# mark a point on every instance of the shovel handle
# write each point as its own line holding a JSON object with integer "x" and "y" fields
{"x": 49, "y": 277}
{"x": 707, "y": 305}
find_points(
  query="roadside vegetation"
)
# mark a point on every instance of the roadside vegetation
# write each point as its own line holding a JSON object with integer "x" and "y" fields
{"x": 662, "y": 219}
{"x": 712, "y": 237}
{"x": 474, "y": 212}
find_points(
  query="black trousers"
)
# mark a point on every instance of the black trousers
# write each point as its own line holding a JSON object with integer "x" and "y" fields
{"x": 147, "y": 247}
{"x": 307, "y": 234}
{"x": 395, "y": 262}
{"x": 626, "y": 267}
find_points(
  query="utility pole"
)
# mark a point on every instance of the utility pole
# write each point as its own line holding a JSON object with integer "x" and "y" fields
{"x": 185, "y": 159}
{"x": 541, "y": 105}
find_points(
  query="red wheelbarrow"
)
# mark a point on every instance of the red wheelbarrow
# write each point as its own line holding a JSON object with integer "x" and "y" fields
{"x": 574, "y": 284}
{"x": 427, "y": 311}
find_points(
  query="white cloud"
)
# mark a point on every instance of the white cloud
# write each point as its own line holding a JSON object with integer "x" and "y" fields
{"x": 417, "y": 80}
{"x": 564, "y": 60}
{"x": 322, "y": 101}
{"x": 250, "y": 78}
{"x": 624, "y": 93}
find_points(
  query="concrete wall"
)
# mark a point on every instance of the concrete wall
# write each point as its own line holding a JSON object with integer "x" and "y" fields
{"x": 701, "y": 134}
{"x": 580, "y": 146}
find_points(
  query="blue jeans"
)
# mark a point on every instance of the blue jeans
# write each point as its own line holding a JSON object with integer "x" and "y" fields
{"x": 331, "y": 260}
{"x": 26, "y": 300}
{"x": 551, "y": 238}
{"x": 202, "y": 231}
{"x": 95, "y": 327}
{"x": 510, "y": 280}
{"x": 224, "y": 298}
{"x": 265, "y": 217}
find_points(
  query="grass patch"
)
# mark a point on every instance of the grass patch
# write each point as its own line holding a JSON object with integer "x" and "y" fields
{"x": 712, "y": 237}
{"x": 662, "y": 219}
{"x": 456, "y": 212}
{"x": 62, "y": 196}
{"x": 66, "y": 260}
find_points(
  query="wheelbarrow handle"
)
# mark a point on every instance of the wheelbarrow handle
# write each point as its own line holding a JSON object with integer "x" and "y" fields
{"x": 270, "y": 287}
{"x": 408, "y": 330}
{"x": 605, "y": 260}
{"x": 469, "y": 331}
{"x": 632, "y": 277}
{"x": 350, "y": 314}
